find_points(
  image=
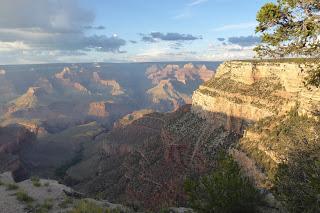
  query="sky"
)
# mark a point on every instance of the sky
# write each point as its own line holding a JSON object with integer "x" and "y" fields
{"x": 58, "y": 31}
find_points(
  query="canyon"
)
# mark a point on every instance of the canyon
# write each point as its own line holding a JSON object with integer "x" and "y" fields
{"x": 224, "y": 115}
{"x": 67, "y": 106}
{"x": 258, "y": 112}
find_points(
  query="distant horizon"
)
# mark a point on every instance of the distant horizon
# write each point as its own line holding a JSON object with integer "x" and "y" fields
{"x": 186, "y": 61}
{"x": 147, "y": 62}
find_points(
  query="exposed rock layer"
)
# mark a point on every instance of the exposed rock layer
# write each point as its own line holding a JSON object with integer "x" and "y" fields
{"x": 254, "y": 90}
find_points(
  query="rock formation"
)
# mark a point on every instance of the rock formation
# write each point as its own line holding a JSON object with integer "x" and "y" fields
{"x": 128, "y": 119}
{"x": 164, "y": 96}
{"x": 139, "y": 148}
{"x": 98, "y": 109}
{"x": 12, "y": 140}
{"x": 184, "y": 74}
{"x": 70, "y": 78}
{"x": 116, "y": 89}
{"x": 245, "y": 92}
{"x": 45, "y": 84}
{"x": 146, "y": 161}
{"x": 267, "y": 103}
{"x": 45, "y": 195}
{"x": 27, "y": 101}
{"x": 108, "y": 110}
{"x": 173, "y": 84}
{"x": 7, "y": 89}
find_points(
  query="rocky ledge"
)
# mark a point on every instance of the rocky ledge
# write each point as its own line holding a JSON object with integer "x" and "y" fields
{"x": 44, "y": 195}
{"x": 243, "y": 92}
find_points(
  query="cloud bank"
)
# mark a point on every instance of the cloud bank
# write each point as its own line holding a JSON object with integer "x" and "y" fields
{"x": 157, "y": 36}
{"x": 245, "y": 41}
{"x": 52, "y": 25}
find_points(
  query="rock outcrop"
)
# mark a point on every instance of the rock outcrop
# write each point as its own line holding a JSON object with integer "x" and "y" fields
{"x": 245, "y": 92}
{"x": 109, "y": 109}
{"x": 13, "y": 139}
{"x": 26, "y": 101}
{"x": 130, "y": 118}
{"x": 116, "y": 89}
{"x": 173, "y": 84}
{"x": 165, "y": 97}
{"x": 7, "y": 89}
{"x": 45, "y": 84}
{"x": 88, "y": 82}
{"x": 98, "y": 109}
{"x": 33, "y": 127}
{"x": 45, "y": 195}
{"x": 184, "y": 74}
{"x": 268, "y": 105}
{"x": 70, "y": 78}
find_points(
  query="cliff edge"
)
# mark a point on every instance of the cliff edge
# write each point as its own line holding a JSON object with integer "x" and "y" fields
{"x": 245, "y": 92}
{"x": 277, "y": 117}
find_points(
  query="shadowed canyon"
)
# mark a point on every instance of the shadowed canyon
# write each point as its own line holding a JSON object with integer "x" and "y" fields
{"x": 136, "y": 141}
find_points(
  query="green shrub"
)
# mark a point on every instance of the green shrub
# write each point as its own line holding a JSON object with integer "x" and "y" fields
{"x": 23, "y": 197}
{"x": 130, "y": 117}
{"x": 224, "y": 190}
{"x": 164, "y": 210}
{"x": 44, "y": 207}
{"x": 282, "y": 60}
{"x": 35, "y": 181}
{"x": 113, "y": 210}
{"x": 47, "y": 204}
{"x": 12, "y": 186}
{"x": 39, "y": 209}
{"x": 84, "y": 206}
{"x": 66, "y": 202}
{"x": 297, "y": 183}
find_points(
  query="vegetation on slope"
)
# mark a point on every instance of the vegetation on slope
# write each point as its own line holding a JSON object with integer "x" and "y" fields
{"x": 297, "y": 183}
{"x": 288, "y": 151}
{"x": 263, "y": 88}
{"x": 76, "y": 134}
{"x": 264, "y": 91}
{"x": 56, "y": 153}
{"x": 224, "y": 190}
{"x": 86, "y": 206}
{"x": 282, "y": 60}
{"x": 61, "y": 171}
{"x": 23, "y": 197}
{"x": 129, "y": 162}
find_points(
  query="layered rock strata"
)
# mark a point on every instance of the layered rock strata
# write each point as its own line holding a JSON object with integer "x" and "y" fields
{"x": 245, "y": 92}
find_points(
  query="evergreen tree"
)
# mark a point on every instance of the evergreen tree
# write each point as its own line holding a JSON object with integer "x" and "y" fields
{"x": 291, "y": 28}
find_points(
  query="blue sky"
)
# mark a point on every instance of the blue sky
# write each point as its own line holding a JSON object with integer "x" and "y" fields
{"x": 126, "y": 30}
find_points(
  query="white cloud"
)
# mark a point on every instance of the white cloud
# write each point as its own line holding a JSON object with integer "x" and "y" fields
{"x": 46, "y": 26}
{"x": 13, "y": 46}
{"x": 239, "y": 26}
{"x": 196, "y": 2}
{"x": 222, "y": 52}
{"x": 186, "y": 12}
{"x": 162, "y": 52}
{"x": 214, "y": 52}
